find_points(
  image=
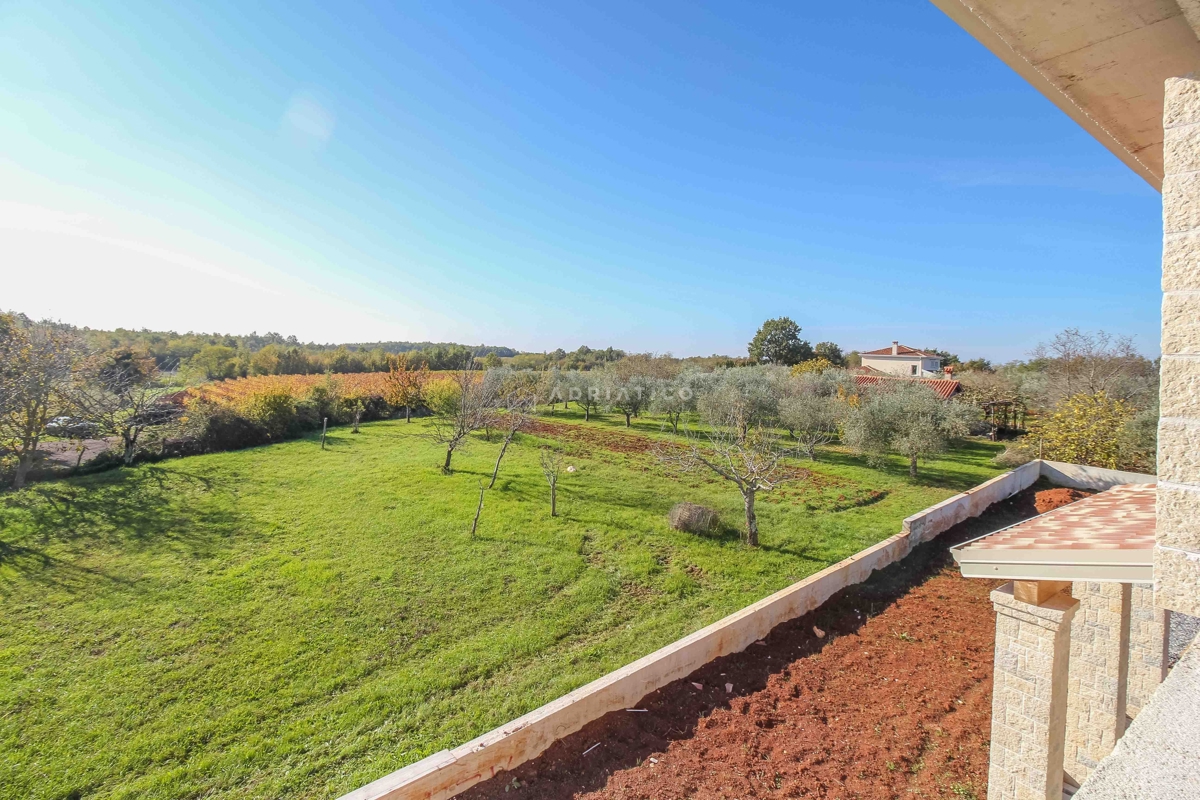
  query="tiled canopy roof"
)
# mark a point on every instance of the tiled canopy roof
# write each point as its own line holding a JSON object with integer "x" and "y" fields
{"x": 945, "y": 388}
{"x": 1108, "y": 536}
{"x": 902, "y": 350}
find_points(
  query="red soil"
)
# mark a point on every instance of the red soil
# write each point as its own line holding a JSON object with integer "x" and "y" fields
{"x": 883, "y": 692}
{"x": 1051, "y": 499}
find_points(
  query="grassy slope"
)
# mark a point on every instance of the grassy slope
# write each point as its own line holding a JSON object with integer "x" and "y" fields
{"x": 287, "y": 621}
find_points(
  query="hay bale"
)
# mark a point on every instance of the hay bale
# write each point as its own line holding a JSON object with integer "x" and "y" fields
{"x": 692, "y": 518}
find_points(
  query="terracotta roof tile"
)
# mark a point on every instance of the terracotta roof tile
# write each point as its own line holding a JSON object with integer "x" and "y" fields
{"x": 1120, "y": 518}
{"x": 945, "y": 388}
{"x": 902, "y": 350}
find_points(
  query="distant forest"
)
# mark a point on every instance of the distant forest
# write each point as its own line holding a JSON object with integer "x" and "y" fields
{"x": 214, "y": 356}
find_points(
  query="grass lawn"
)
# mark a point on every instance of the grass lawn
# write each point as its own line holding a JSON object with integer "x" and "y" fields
{"x": 287, "y": 621}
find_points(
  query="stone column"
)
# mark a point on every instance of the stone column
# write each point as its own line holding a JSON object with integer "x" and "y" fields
{"x": 1029, "y": 697}
{"x": 1177, "y": 537}
{"x": 1149, "y": 635}
{"x": 1099, "y": 674}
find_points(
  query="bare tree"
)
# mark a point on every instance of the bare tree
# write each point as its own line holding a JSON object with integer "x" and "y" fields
{"x": 478, "y": 511}
{"x": 520, "y": 411}
{"x": 551, "y": 461}
{"x": 477, "y": 395}
{"x": 1082, "y": 362}
{"x": 747, "y": 455}
{"x": 119, "y": 395}
{"x": 36, "y": 363}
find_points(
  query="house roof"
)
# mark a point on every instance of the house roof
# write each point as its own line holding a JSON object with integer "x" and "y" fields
{"x": 1106, "y": 537}
{"x": 945, "y": 388}
{"x": 901, "y": 350}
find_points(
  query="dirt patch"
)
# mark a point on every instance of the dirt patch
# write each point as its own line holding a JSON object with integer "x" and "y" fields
{"x": 1050, "y": 499}
{"x": 883, "y": 692}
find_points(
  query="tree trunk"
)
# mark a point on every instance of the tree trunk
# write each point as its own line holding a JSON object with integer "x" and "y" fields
{"x": 478, "y": 510}
{"x": 553, "y": 500}
{"x": 79, "y": 460}
{"x": 587, "y": 413}
{"x": 751, "y": 518}
{"x": 130, "y": 440}
{"x": 627, "y": 415}
{"x": 446, "y": 466}
{"x": 24, "y": 464}
{"x": 357, "y": 417}
{"x": 408, "y": 413}
{"x": 503, "y": 447}
{"x": 912, "y": 467}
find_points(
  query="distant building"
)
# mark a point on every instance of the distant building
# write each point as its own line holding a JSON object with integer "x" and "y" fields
{"x": 902, "y": 361}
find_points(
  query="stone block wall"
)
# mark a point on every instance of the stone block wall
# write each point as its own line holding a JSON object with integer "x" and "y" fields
{"x": 1177, "y": 549}
{"x": 1029, "y": 696}
{"x": 1149, "y": 632}
{"x": 1098, "y": 674}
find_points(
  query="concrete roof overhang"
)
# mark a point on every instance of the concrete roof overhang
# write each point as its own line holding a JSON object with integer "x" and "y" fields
{"x": 1106, "y": 537}
{"x": 1103, "y": 62}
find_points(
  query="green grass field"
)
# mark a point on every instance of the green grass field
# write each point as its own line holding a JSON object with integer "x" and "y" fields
{"x": 287, "y": 621}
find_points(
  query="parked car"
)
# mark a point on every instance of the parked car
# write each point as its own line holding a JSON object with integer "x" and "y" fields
{"x": 71, "y": 428}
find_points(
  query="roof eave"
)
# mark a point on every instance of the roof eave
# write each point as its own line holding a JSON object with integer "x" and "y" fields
{"x": 967, "y": 18}
{"x": 1014, "y": 564}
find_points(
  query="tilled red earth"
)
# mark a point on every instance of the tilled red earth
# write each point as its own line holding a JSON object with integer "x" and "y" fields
{"x": 883, "y": 692}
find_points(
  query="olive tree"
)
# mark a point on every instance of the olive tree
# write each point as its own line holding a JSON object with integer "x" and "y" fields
{"x": 907, "y": 418}
{"x": 584, "y": 388}
{"x": 628, "y": 394}
{"x": 676, "y": 397}
{"x": 748, "y": 395}
{"x": 814, "y": 407}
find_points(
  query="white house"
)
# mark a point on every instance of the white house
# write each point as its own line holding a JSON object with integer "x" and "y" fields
{"x": 901, "y": 360}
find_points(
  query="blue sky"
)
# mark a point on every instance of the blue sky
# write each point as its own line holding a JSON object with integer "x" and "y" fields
{"x": 655, "y": 176}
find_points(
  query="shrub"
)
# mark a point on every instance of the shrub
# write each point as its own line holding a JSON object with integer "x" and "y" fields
{"x": 210, "y": 428}
{"x": 691, "y": 518}
{"x": 1085, "y": 429}
{"x": 442, "y": 397}
{"x": 272, "y": 407}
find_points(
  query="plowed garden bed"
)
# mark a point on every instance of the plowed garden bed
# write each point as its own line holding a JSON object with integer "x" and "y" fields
{"x": 884, "y": 692}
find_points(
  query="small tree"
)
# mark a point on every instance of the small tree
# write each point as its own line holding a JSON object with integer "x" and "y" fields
{"x": 628, "y": 394}
{"x": 475, "y": 402}
{"x": 778, "y": 342}
{"x": 908, "y": 418}
{"x": 749, "y": 395}
{"x": 518, "y": 416}
{"x": 405, "y": 384}
{"x": 119, "y": 396}
{"x": 814, "y": 408}
{"x": 1085, "y": 429}
{"x": 551, "y": 461}
{"x": 584, "y": 388}
{"x": 36, "y": 363}
{"x": 675, "y": 398}
{"x": 745, "y": 455}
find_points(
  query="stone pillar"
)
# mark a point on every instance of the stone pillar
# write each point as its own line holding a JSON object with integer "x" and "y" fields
{"x": 1149, "y": 635}
{"x": 1099, "y": 674}
{"x": 1029, "y": 697}
{"x": 1177, "y": 537}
